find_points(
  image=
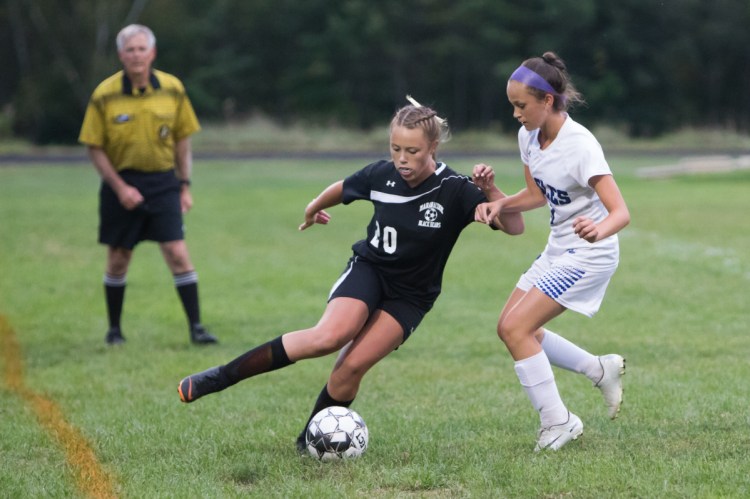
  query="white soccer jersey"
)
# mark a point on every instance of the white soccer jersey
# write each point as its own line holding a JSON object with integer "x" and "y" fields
{"x": 562, "y": 172}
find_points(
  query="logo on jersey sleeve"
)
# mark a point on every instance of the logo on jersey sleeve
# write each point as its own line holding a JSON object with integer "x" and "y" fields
{"x": 431, "y": 213}
{"x": 390, "y": 183}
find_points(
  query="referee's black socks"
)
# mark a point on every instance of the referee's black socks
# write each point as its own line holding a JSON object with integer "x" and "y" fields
{"x": 187, "y": 287}
{"x": 114, "y": 293}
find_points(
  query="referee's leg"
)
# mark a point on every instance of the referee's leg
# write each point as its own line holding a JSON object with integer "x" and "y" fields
{"x": 186, "y": 282}
{"x": 115, "y": 279}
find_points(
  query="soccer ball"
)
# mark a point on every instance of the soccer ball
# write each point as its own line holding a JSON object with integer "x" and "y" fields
{"x": 336, "y": 433}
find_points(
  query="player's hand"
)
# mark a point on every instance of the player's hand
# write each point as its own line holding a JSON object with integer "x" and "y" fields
{"x": 487, "y": 212}
{"x": 314, "y": 217}
{"x": 319, "y": 217}
{"x": 130, "y": 197}
{"x": 586, "y": 229}
{"x": 483, "y": 176}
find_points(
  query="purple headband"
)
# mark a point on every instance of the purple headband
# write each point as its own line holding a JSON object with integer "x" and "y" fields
{"x": 532, "y": 79}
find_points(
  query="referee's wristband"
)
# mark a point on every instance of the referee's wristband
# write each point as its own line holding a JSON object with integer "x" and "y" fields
{"x": 185, "y": 182}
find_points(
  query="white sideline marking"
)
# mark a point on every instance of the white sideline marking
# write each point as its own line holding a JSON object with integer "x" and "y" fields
{"x": 721, "y": 259}
{"x": 696, "y": 165}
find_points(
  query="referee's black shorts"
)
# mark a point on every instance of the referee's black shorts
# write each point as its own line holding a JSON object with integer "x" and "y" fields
{"x": 361, "y": 280}
{"x": 158, "y": 218}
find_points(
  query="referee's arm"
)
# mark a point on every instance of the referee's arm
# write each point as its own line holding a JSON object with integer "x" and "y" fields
{"x": 128, "y": 195}
{"x": 183, "y": 159}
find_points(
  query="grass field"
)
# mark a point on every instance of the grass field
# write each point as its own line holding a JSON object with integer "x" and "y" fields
{"x": 446, "y": 414}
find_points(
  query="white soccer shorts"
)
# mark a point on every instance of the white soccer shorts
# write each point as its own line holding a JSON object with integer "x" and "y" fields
{"x": 577, "y": 279}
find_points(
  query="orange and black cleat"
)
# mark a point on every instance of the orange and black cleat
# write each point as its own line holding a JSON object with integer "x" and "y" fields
{"x": 197, "y": 385}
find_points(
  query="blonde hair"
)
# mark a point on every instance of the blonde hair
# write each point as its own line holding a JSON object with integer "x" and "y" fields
{"x": 415, "y": 115}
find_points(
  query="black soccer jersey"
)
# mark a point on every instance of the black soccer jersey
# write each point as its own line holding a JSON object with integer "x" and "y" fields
{"x": 413, "y": 230}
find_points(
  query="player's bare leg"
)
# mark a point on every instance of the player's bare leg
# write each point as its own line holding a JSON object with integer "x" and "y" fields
{"x": 518, "y": 328}
{"x": 341, "y": 321}
{"x": 381, "y": 335}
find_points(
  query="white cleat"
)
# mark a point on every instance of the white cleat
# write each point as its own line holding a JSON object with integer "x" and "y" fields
{"x": 610, "y": 383}
{"x": 554, "y": 437}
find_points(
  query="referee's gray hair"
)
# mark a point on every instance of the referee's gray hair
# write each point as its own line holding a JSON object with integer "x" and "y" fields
{"x": 130, "y": 31}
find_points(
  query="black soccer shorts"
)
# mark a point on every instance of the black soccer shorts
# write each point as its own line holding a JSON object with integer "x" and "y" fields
{"x": 361, "y": 280}
{"x": 158, "y": 218}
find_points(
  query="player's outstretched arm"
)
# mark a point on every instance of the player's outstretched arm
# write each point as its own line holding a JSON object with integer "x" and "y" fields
{"x": 315, "y": 210}
{"x": 483, "y": 177}
{"x": 528, "y": 198}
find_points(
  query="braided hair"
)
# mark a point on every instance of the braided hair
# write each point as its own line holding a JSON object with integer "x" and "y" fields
{"x": 415, "y": 115}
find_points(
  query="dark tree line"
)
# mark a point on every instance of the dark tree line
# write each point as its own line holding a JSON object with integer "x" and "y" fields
{"x": 646, "y": 66}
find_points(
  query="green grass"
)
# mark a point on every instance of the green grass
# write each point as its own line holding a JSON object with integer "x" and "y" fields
{"x": 446, "y": 414}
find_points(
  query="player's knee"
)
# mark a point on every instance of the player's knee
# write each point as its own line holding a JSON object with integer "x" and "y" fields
{"x": 330, "y": 340}
{"x": 510, "y": 332}
{"x": 346, "y": 378}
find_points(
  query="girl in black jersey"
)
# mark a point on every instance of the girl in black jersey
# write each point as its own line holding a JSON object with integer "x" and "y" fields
{"x": 394, "y": 275}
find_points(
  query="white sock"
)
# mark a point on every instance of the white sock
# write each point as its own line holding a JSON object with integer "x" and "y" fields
{"x": 537, "y": 379}
{"x": 565, "y": 354}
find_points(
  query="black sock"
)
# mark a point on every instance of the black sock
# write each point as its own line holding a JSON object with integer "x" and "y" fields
{"x": 261, "y": 359}
{"x": 187, "y": 287}
{"x": 114, "y": 292}
{"x": 324, "y": 400}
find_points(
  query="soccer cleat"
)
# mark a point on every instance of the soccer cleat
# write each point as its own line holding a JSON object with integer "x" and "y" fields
{"x": 197, "y": 385}
{"x": 610, "y": 384}
{"x": 200, "y": 336}
{"x": 554, "y": 437}
{"x": 114, "y": 336}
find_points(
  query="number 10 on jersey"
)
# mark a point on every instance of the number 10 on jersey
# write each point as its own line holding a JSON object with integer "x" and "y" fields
{"x": 389, "y": 238}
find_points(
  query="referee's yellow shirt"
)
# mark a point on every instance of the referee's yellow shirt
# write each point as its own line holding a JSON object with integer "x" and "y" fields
{"x": 137, "y": 128}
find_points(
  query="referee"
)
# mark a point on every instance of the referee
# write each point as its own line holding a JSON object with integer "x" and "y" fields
{"x": 137, "y": 128}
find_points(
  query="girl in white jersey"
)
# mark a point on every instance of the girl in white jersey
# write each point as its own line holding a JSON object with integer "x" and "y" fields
{"x": 565, "y": 169}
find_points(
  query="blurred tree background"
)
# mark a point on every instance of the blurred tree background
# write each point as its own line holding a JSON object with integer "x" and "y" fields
{"x": 646, "y": 67}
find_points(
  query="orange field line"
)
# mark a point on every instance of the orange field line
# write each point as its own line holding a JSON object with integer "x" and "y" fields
{"x": 91, "y": 479}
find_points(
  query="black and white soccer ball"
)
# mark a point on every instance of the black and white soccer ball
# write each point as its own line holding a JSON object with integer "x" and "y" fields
{"x": 336, "y": 433}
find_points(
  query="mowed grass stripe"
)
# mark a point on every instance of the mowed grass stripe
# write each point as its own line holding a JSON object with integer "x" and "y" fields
{"x": 90, "y": 478}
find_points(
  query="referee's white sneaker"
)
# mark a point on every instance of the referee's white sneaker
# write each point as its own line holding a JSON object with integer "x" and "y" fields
{"x": 554, "y": 437}
{"x": 610, "y": 383}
